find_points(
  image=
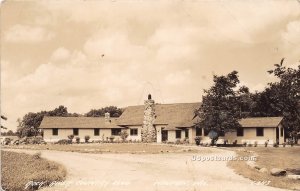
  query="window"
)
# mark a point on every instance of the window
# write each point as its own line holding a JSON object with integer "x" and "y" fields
{"x": 133, "y": 132}
{"x": 259, "y": 132}
{"x": 198, "y": 131}
{"x": 206, "y": 131}
{"x": 96, "y": 132}
{"x": 115, "y": 132}
{"x": 55, "y": 131}
{"x": 187, "y": 133}
{"x": 178, "y": 134}
{"x": 281, "y": 132}
{"x": 240, "y": 132}
{"x": 75, "y": 131}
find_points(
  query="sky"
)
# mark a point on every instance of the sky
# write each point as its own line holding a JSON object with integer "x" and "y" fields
{"x": 91, "y": 54}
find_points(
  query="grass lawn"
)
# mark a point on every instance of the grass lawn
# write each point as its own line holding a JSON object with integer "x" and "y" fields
{"x": 270, "y": 157}
{"x": 134, "y": 148}
{"x": 19, "y": 169}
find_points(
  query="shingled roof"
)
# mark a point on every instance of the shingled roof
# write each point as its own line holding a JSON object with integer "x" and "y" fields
{"x": 261, "y": 121}
{"x": 78, "y": 122}
{"x": 173, "y": 115}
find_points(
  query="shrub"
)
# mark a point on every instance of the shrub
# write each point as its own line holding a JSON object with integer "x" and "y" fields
{"x": 244, "y": 143}
{"x": 187, "y": 141}
{"x": 71, "y": 137}
{"x": 7, "y": 141}
{"x": 63, "y": 141}
{"x": 234, "y": 143}
{"x": 275, "y": 145}
{"x": 197, "y": 140}
{"x": 87, "y": 138}
{"x": 283, "y": 144}
{"x": 255, "y": 143}
{"x": 32, "y": 140}
{"x": 77, "y": 139}
{"x": 266, "y": 143}
{"x": 177, "y": 142}
{"x": 111, "y": 138}
{"x": 124, "y": 135}
{"x": 249, "y": 145}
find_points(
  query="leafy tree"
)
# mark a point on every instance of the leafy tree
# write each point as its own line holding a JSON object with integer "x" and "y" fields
{"x": 221, "y": 105}
{"x": 113, "y": 110}
{"x": 29, "y": 125}
{"x": 60, "y": 111}
{"x": 283, "y": 97}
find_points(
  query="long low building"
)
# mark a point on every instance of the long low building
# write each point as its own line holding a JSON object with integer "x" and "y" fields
{"x": 153, "y": 122}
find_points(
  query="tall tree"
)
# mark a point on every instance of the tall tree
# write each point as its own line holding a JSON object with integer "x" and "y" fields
{"x": 29, "y": 125}
{"x": 221, "y": 105}
{"x": 284, "y": 97}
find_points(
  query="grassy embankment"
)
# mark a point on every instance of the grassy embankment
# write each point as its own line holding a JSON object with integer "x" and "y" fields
{"x": 20, "y": 169}
{"x": 269, "y": 157}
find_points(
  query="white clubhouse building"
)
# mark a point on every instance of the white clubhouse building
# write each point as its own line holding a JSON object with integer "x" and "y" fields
{"x": 159, "y": 123}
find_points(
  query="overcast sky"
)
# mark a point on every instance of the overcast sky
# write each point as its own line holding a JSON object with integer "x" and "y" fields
{"x": 91, "y": 54}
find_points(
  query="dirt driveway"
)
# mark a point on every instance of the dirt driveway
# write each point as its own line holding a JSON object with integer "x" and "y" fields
{"x": 135, "y": 172}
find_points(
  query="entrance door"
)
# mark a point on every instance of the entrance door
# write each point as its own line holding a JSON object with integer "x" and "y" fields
{"x": 186, "y": 133}
{"x": 164, "y": 135}
{"x": 277, "y": 135}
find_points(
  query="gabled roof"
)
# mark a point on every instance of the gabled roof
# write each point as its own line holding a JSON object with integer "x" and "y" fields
{"x": 173, "y": 115}
{"x": 261, "y": 121}
{"x": 78, "y": 122}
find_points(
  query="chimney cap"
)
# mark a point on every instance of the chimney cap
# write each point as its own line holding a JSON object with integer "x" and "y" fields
{"x": 149, "y": 96}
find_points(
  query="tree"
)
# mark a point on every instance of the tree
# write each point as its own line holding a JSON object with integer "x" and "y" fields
{"x": 221, "y": 105}
{"x": 283, "y": 97}
{"x": 113, "y": 110}
{"x": 29, "y": 125}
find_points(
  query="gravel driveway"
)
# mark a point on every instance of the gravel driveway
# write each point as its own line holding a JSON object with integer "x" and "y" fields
{"x": 135, "y": 172}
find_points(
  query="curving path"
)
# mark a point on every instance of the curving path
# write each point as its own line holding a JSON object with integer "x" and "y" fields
{"x": 147, "y": 172}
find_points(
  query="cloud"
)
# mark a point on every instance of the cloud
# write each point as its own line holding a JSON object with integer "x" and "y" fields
{"x": 99, "y": 53}
{"x": 60, "y": 54}
{"x": 27, "y": 34}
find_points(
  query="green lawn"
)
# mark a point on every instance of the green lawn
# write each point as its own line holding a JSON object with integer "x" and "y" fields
{"x": 19, "y": 169}
{"x": 270, "y": 157}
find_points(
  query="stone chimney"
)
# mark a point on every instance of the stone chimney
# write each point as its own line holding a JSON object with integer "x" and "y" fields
{"x": 107, "y": 117}
{"x": 148, "y": 130}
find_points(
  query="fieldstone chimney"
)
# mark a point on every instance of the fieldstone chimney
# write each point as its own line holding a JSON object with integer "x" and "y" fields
{"x": 148, "y": 130}
{"x": 107, "y": 117}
